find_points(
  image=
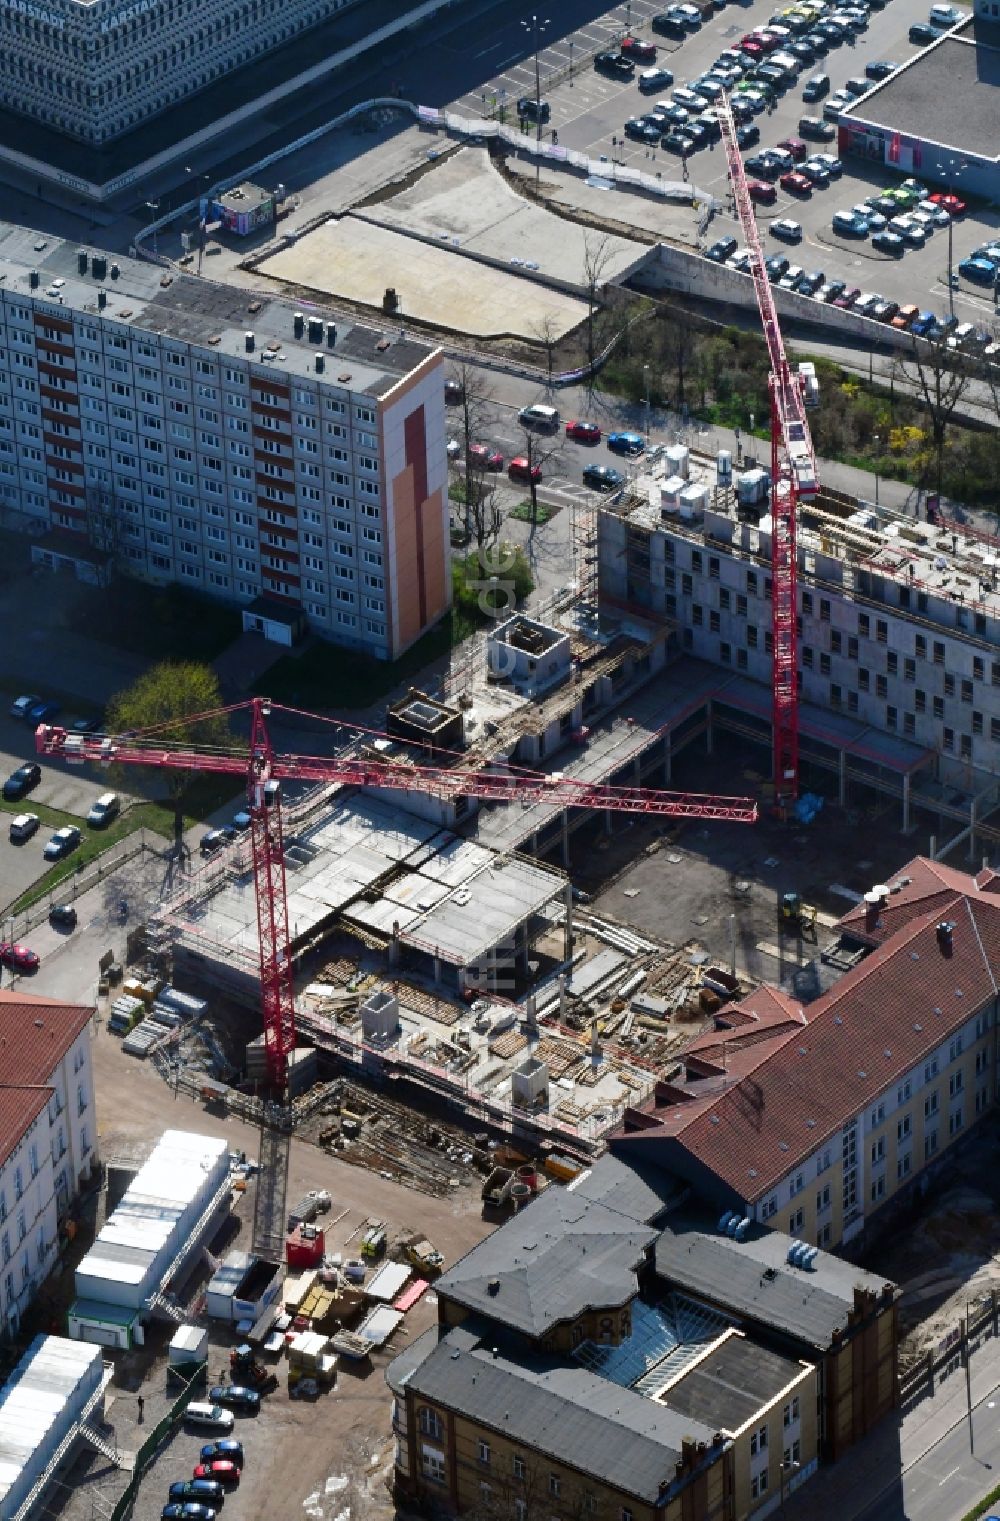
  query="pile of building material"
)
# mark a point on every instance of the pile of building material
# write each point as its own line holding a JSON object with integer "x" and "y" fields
{"x": 311, "y": 1360}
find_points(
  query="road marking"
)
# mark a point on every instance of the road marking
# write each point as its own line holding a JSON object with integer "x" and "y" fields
{"x": 947, "y": 1477}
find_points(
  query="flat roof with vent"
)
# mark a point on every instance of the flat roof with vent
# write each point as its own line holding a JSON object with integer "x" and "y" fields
{"x": 525, "y": 634}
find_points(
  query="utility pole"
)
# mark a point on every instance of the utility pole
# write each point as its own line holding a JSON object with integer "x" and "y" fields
{"x": 951, "y": 172}
{"x": 536, "y": 27}
{"x": 645, "y": 376}
{"x": 154, "y": 207}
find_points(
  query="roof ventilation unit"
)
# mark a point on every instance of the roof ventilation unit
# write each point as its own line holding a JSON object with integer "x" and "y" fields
{"x": 742, "y": 1228}
{"x": 315, "y": 330}
{"x": 249, "y": 340}
{"x": 731, "y": 1227}
{"x": 299, "y": 323}
{"x": 724, "y": 1222}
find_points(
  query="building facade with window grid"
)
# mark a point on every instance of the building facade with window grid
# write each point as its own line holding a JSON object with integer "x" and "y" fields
{"x": 94, "y": 69}
{"x": 200, "y": 436}
{"x": 907, "y": 659}
{"x": 48, "y": 1139}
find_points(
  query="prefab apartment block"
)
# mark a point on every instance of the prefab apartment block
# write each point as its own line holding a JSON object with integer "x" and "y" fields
{"x": 195, "y": 434}
{"x": 161, "y": 1224}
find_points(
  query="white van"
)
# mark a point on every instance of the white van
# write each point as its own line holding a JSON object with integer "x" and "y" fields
{"x": 201, "y": 1414}
{"x": 539, "y": 418}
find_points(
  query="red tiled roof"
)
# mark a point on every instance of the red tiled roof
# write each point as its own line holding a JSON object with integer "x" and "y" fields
{"x": 921, "y": 886}
{"x": 875, "y": 1024}
{"x": 761, "y": 1015}
{"x": 35, "y": 1034}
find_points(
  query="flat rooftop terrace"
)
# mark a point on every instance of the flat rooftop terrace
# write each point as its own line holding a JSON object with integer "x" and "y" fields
{"x": 946, "y": 95}
{"x": 365, "y": 359}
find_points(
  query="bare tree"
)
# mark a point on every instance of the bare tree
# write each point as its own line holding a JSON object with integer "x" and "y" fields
{"x": 538, "y": 454}
{"x": 474, "y": 406}
{"x": 546, "y": 330}
{"x": 678, "y": 344}
{"x": 940, "y": 376}
{"x": 598, "y": 253}
{"x": 485, "y": 510}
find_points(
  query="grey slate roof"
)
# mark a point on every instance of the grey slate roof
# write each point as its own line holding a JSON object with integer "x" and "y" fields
{"x": 638, "y": 1189}
{"x": 558, "y": 1257}
{"x": 556, "y": 1409}
{"x": 731, "y": 1385}
{"x": 754, "y": 1279}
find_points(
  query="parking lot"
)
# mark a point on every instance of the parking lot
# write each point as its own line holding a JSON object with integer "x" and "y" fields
{"x": 588, "y": 112}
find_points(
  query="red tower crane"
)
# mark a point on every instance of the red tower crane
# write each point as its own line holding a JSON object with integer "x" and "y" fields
{"x": 264, "y": 769}
{"x": 793, "y": 476}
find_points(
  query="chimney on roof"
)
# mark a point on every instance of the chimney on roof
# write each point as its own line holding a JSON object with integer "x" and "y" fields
{"x": 945, "y": 936}
{"x": 493, "y": 1287}
{"x": 249, "y": 341}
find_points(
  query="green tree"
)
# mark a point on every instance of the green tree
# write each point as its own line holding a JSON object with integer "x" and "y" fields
{"x": 169, "y": 698}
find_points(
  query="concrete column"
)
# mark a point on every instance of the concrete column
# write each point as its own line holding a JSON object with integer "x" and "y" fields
{"x": 842, "y": 779}
{"x": 531, "y": 1018}
{"x": 595, "y": 1048}
{"x": 607, "y": 821}
{"x": 568, "y": 922}
{"x": 524, "y": 950}
{"x": 709, "y": 729}
{"x": 565, "y": 838}
{"x": 562, "y": 999}
{"x": 437, "y": 966}
{"x": 394, "y": 944}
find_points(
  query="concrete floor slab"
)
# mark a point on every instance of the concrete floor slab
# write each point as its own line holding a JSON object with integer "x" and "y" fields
{"x": 355, "y": 260}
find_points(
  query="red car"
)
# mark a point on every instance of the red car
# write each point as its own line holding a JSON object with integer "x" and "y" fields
{"x": 753, "y": 46}
{"x": 848, "y": 298}
{"x": 796, "y": 183}
{"x": 949, "y": 202}
{"x": 219, "y": 1469}
{"x": 485, "y": 457}
{"x": 584, "y": 432}
{"x": 760, "y": 190}
{"x": 796, "y": 147}
{"x": 19, "y": 957}
{"x": 635, "y": 47}
{"x": 520, "y": 470}
{"x": 767, "y": 41}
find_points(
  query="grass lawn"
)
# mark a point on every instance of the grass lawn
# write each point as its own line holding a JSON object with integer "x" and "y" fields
{"x": 161, "y": 623}
{"x": 522, "y": 512}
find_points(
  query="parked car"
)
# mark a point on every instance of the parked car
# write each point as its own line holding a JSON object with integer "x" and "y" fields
{"x": 638, "y": 48}
{"x": 22, "y": 781}
{"x": 938, "y": 215}
{"x": 485, "y": 457}
{"x": 905, "y": 316}
{"x": 747, "y": 135}
{"x": 454, "y": 392}
{"x": 204, "y": 1491}
{"x": 453, "y": 448}
{"x": 20, "y": 958}
{"x": 796, "y": 184}
{"x": 922, "y": 324}
{"x": 62, "y": 916}
{"x": 815, "y": 127}
{"x": 602, "y": 477}
{"x": 775, "y": 266}
{"x": 227, "y": 1448}
{"x": 829, "y": 292}
{"x": 817, "y": 173}
{"x": 946, "y": 15}
{"x": 669, "y": 25}
{"x": 614, "y": 64}
{"x": 626, "y": 443}
{"x": 888, "y": 243}
{"x": 796, "y": 147}
{"x": 220, "y": 1470}
{"x": 850, "y": 224}
{"x": 950, "y": 203}
{"x": 880, "y": 69}
{"x": 520, "y": 470}
{"x": 651, "y": 80}
{"x": 237, "y": 1396}
{"x": 215, "y": 839}
{"x": 62, "y": 843}
{"x": 787, "y": 230}
{"x": 187, "y": 1512}
{"x": 23, "y": 826}
{"x": 847, "y": 298}
{"x": 721, "y": 250}
{"x": 583, "y": 432}
{"x": 533, "y": 110}
{"x": 22, "y": 706}
{"x": 201, "y": 1413}
{"x": 810, "y": 283}
{"x": 761, "y": 192}
{"x": 921, "y": 33}
{"x": 979, "y": 271}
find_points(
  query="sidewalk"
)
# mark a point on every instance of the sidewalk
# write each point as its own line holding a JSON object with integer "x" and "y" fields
{"x": 873, "y": 1477}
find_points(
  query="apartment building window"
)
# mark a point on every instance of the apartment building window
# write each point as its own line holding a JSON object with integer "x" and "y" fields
{"x": 878, "y": 1151}
{"x": 758, "y": 1441}
{"x": 930, "y": 1104}
{"x": 982, "y": 1062}
{"x": 891, "y": 717}
{"x": 769, "y": 1207}
{"x": 790, "y": 1412}
{"x": 796, "y": 1221}
{"x": 517, "y": 1466}
{"x": 697, "y": 562}
{"x": 758, "y": 1483}
{"x": 823, "y": 1199}
{"x": 796, "y": 1185}
{"x": 22, "y": 1225}
{"x": 903, "y": 1128}
{"x": 931, "y": 1070}
{"x": 714, "y": 622}
{"x": 823, "y": 1161}
{"x": 484, "y": 1452}
{"x": 930, "y": 1144}
{"x": 864, "y": 625}
{"x": 625, "y": 1514}
{"x": 955, "y": 1121}
{"x": 878, "y": 1189}
{"x": 555, "y": 1484}
{"x": 792, "y": 1454}
{"x": 881, "y": 686}
{"x": 752, "y": 590}
{"x": 824, "y": 664}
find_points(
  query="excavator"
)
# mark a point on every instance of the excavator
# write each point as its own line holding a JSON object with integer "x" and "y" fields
{"x": 798, "y": 916}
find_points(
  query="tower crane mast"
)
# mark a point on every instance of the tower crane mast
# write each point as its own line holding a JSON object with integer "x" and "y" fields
{"x": 793, "y": 476}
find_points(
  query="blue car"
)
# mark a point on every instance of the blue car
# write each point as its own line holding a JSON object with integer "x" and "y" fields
{"x": 226, "y": 1450}
{"x": 43, "y": 712}
{"x": 922, "y": 323}
{"x": 979, "y": 271}
{"x": 626, "y": 443}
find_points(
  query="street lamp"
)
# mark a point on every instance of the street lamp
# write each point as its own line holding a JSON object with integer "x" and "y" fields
{"x": 645, "y": 376}
{"x": 739, "y": 449}
{"x": 951, "y": 172}
{"x": 536, "y": 28}
{"x": 154, "y": 207}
